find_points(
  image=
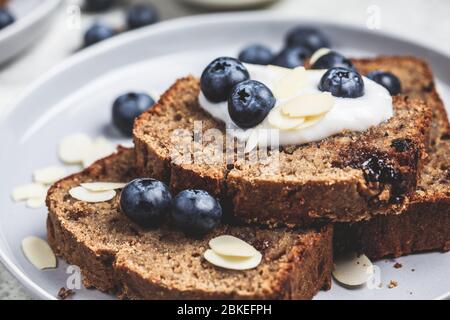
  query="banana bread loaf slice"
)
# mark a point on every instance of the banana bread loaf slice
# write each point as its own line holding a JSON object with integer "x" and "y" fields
{"x": 423, "y": 226}
{"x": 337, "y": 178}
{"x": 118, "y": 256}
{"x": 425, "y": 223}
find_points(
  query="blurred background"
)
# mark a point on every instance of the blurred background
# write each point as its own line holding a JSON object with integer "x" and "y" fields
{"x": 64, "y": 34}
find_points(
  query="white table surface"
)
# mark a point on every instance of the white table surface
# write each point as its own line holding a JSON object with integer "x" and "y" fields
{"x": 422, "y": 21}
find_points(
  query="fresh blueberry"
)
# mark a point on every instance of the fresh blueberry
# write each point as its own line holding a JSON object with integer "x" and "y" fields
{"x": 402, "y": 145}
{"x": 6, "y": 18}
{"x": 196, "y": 212}
{"x": 256, "y": 54}
{"x": 141, "y": 15}
{"x": 387, "y": 80}
{"x": 377, "y": 170}
{"x": 292, "y": 57}
{"x": 127, "y": 108}
{"x": 220, "y": 76}
{"x": 98, "y": 32}
{"x": 146, "y": 201}
{"x": 332, "y": 60}
{"x": 343, "y": 83}
{"x": 98, "y": 5}
{"x": 307, "y": 37}
{"x": 249, "y": 103}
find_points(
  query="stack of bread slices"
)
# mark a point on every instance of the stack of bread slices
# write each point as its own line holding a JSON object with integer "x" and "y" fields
{"x": 319, "y": 204}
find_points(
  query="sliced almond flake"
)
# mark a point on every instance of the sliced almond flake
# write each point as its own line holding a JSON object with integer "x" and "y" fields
{"x": 49, "y": 175}
{"x": 289, "y": 84}
{"x": 278, "y": 120}
{"x": 39, "y": 253}
{"x": 308, "y": 105}
{"x": 36, "y": 203}
{"x": 233, "y": 263}
{"x": 353, "y": 270}
{"x": 85, "y": 195}
{"x": 73, "y": 147}
{"x": 103, "y": 186}
{"x": 309, "y": 122}
{"x": 318, "y": 54}
{"x": 28, "y": 191}
{"x": 252, "y": 141}
{"x": 227, "y": 245}
{"x": 99, "y": 149}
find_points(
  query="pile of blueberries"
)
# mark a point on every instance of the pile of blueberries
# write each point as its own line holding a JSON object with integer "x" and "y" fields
{"x": 300, "y": 44}
{"x": 227, "y": 79}
{"x": 250, "y": 101}
{"x": 6, "y": 18}
{"x": 149, "y": 203}
{"x": 138, "y": 15}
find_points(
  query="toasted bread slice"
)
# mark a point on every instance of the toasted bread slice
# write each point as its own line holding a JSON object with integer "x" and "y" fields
{"x": 117, "y": 256}
{"x": 326, "y": 179}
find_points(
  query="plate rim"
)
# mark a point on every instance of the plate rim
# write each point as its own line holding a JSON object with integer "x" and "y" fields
{"x": 184, "y": 22}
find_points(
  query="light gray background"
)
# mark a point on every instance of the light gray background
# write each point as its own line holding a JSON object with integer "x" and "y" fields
{"x": 421, "y": 21}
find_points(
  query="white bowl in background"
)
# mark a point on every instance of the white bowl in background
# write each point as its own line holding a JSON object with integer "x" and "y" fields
{"x": 32, "y": 19}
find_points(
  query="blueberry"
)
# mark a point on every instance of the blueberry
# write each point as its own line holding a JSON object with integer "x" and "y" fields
{"x": 256, "y": 54}
{"x": 307, "y": 37}
{"x": 146, "y": 201}
{"x": 196, "y": 212}
{"x": 387, "y": 80}
{"x": 127, "y": 108}
{"x": 98, "y": 32}
{"x": 220, "y": 76}
{"x": 401, "y": 145}
{"x": 332, "y": 60}
{"x": 249, "y": 103}
{"x": 343, "y": 83}
{"x": 98, "y": 5}
{"x": 6, "y": 18}
{"x": 377, "y": 170}
{"x": 141, "y": 15}
{"x": 291, "y": 57}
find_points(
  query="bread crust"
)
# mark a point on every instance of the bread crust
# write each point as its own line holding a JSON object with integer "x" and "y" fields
{"x": 119, "y": 257}
{"x": 339, "y": 192}
{"x": 424, "y": 226}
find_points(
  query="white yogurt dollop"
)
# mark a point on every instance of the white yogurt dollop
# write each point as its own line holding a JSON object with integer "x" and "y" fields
{"x": 354, "y": 114}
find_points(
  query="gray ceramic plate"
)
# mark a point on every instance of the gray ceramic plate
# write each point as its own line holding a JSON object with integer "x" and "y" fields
{"x": 76, "y": 96}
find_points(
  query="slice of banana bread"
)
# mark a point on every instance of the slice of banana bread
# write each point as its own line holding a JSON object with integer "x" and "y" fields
{"x": 423, "y": 226}
{"x": 335, "y": 178}
{"x": 118, "y": 256}
{"x": 425, "y": 223}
